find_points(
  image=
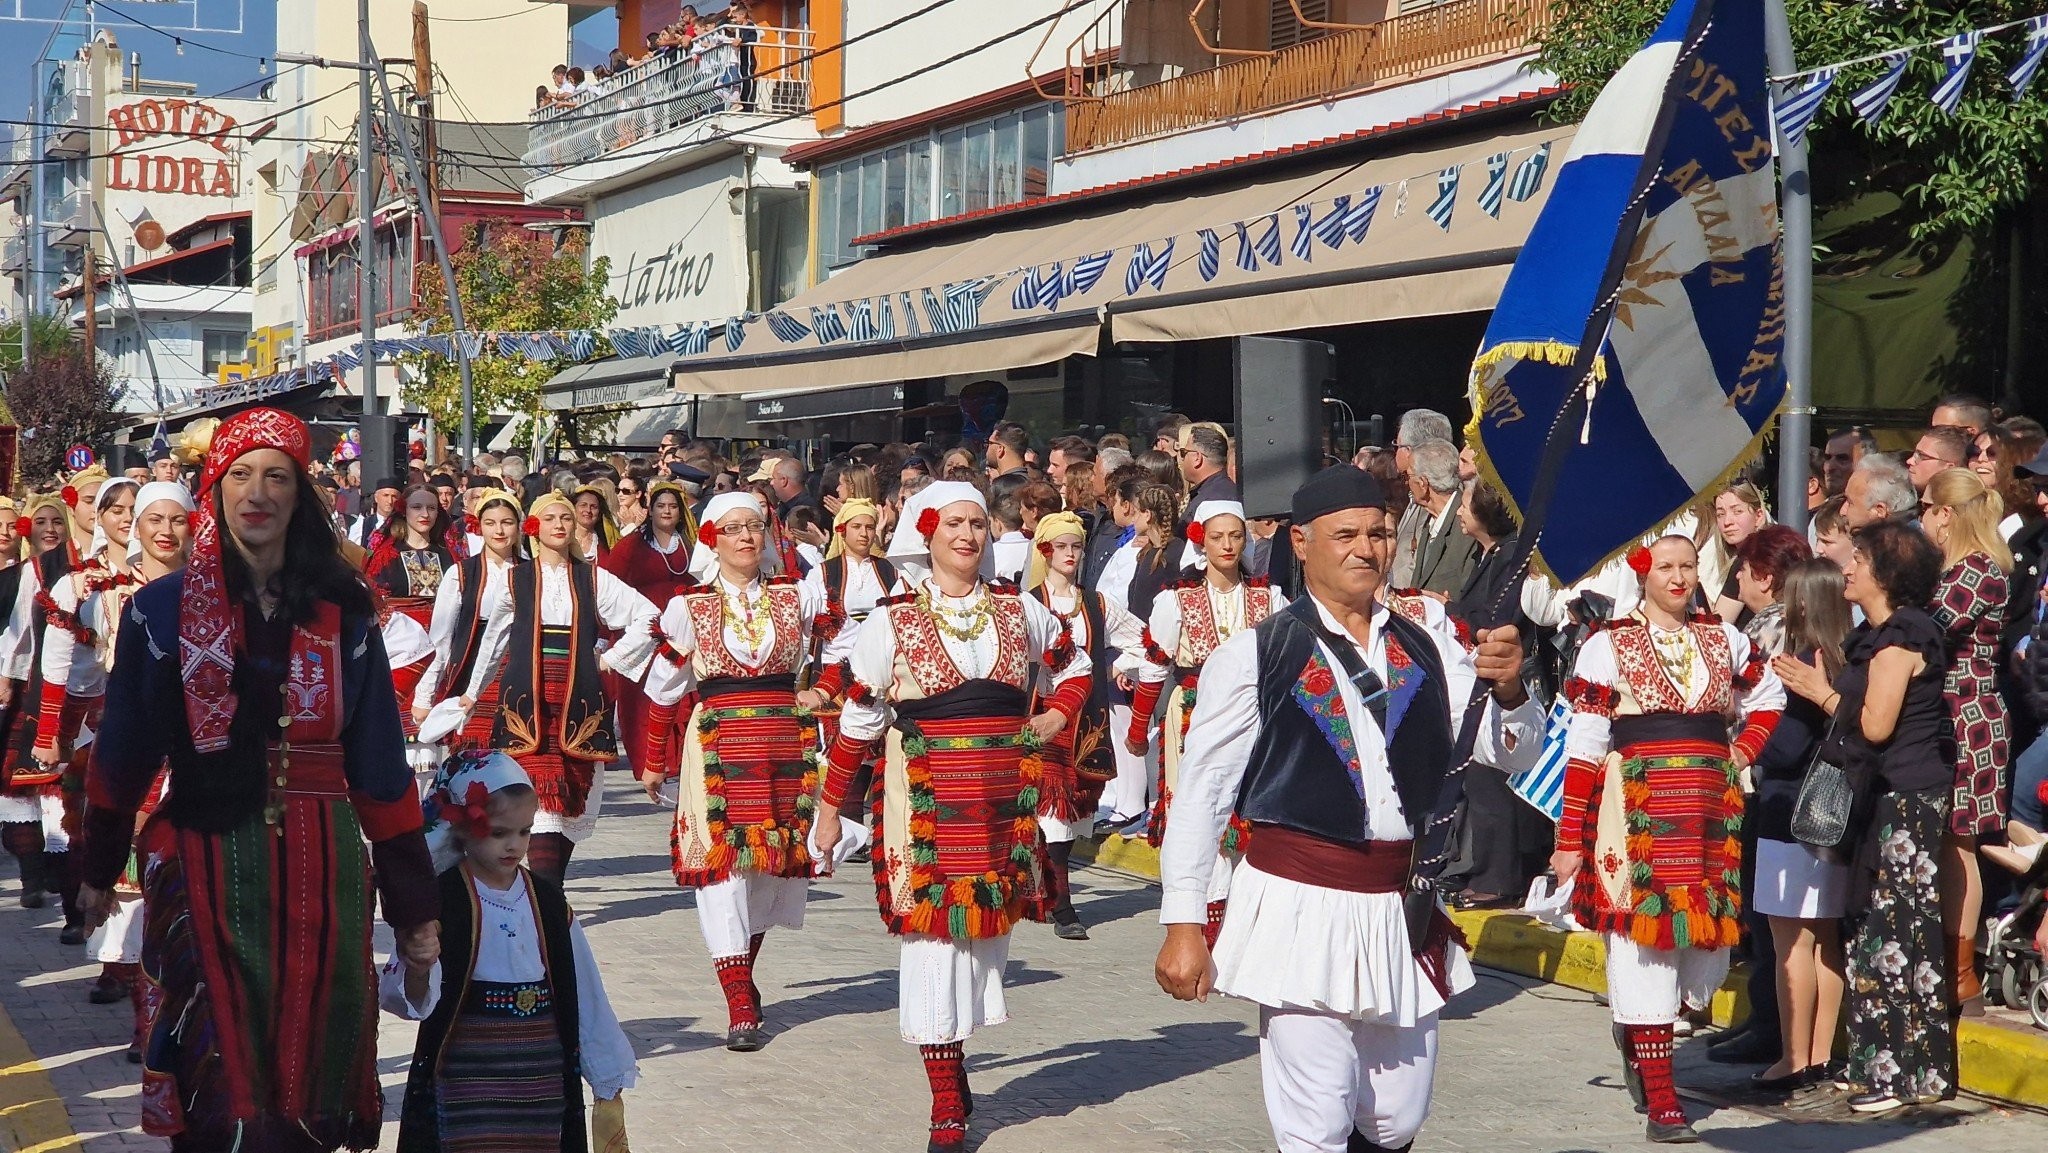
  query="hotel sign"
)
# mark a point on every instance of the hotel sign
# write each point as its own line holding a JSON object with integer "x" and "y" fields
{"x": 153, "y": 148}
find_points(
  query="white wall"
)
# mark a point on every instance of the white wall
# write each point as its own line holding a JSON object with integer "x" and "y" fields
{"x": 955, "y": 28}
{"x": 677, "y": 247}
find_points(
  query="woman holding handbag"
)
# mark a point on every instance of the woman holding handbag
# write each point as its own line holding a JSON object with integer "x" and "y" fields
{"x": 1895, "y": 739}
{"x": 1800, "y": 889}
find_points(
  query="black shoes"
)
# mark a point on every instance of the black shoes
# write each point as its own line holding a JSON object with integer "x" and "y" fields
{"x": 1679, "y": 1134}
{"x": 1070, "y": 929}
{"x": 72, "y": 935}
{"x": 743, "y": 1038}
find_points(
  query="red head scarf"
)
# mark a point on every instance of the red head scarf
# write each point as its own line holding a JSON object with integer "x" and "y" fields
{"x": 210, "y": 628}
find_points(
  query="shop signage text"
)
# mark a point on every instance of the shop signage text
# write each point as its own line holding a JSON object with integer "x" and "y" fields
{"x": 166, "y": 122}
{"x": 666, "y": 276}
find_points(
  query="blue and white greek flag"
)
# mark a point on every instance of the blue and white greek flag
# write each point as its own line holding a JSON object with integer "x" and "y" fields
{"x": 473, "y": 344}
{"x": 1358, "y": 217}
{"x": 1871, "y": 102}
{"x": 1024, "y": 297}
{"x": 1210, "y": 261}
{"x": 1958, "y": 52}
{"x": 1304, "y": 247}
{"x": 159, "y": 441}
{"x": 625, "y": 342}
{"x": 827, "y": 324}
{"x": 1796, "y": 110}
{"x": 1330, "y": 229}
{"x": 2022, "y": 74}
{"x": 1496, "y": 184}
{"x": 1052, "y": 287}
{"x": 735, "y": 332}
{"x": 787, "y": 329}
{"x": 1528, "y": 179}
{"x": 1542, "y": 784}
{"x": 1644, "y": 319}
{"x": 1148, "y": 267}
{"x": 691, "y": 339}
{"x": 962, "y": 310}
{"x": 1086, "y": 271}
{"x": 911, "y": 327}
{"x": 1446, "y": 201}
{"x": 860, "y": 319}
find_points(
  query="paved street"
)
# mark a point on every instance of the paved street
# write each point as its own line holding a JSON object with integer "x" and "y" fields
{"x": 1095, "y": 1056}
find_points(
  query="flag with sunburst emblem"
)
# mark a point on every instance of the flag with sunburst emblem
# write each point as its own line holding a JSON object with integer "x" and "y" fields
{"x": 1634, "y": 361}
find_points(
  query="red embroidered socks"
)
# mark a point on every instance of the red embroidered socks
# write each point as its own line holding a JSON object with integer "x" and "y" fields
{"x": 950, "y": 1103}
{"x": 736, "y": 979}
{"x": 753, "y": 956}
{"x": 1213, "y": 928}
{"x": 1650, "y": 1049}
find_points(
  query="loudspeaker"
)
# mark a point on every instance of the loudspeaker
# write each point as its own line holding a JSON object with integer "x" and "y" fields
{"x": 383, "y": 448}
{"x": 1279, "y": 383}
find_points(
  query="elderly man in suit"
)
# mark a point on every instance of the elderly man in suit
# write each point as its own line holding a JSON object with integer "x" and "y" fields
{"x": 1445, "y": 555}
{"x": 1419, "y": 426}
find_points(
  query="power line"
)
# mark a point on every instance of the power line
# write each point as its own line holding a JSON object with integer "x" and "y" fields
{"x": 176, "y": 37}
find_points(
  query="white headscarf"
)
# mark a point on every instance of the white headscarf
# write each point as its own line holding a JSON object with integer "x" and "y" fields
{"x": 704, "y": 561}
{"x": 908, "y": 544}
{"x": 1205, "y": 512}
{"x": 448, "y": 799}
{"x": 100, "y": 501}
{"x": 149, "y": 494}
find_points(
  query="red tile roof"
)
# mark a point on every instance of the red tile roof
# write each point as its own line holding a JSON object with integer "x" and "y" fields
{"x": 1413, "y": 123}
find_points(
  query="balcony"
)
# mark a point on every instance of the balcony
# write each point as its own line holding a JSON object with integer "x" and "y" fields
{"x": 1441, "y": 38}
{"x": 14, "y": 168}
{"x": 14, "y": 255}
{"x": 70, "y": 129}
{"x": 72, "y": 226}
{"x": 671, "y": 92}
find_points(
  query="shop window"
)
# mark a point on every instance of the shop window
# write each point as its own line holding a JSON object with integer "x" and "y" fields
{"x": 221, "y": 346}
{"x": 332, "y": 288}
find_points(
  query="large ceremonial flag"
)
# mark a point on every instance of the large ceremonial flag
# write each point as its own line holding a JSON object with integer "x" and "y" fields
{"x": 1635, "y": 358}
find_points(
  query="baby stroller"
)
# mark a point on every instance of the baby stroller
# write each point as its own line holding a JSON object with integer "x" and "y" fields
{"x": 2014, "y": 974}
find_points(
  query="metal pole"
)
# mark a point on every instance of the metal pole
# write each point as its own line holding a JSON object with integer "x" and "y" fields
{"x": 142, "y": 333}
{"x": 432, "y": 220}
{"x": 1795, "y": 426}
{"x": 366, "y": 209}
{"x": 32, "y": 236}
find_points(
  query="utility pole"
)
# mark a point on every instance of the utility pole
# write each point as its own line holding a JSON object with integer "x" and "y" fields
{"x": 366, "y": 215}
{"x": 423, "y": 95}
{"x": 90, "y": 294}
{"x": 123, "y": 289}
{"x": 1795, "y": 425}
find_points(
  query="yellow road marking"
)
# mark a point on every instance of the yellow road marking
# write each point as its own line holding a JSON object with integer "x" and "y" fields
{"x": 32, "y": 1116}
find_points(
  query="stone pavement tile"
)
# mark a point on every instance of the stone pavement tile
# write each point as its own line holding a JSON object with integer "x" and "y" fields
{"x": 1094, "y": 1057}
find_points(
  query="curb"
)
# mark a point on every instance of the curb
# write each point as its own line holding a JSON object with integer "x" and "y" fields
{"x": 2000, "y": 1063}
{"x": 32, "y": 1117}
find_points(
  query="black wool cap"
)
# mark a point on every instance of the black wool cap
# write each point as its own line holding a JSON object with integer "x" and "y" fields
{"x": 1336, "y": 489}
{"x": 390, "y": 482}
{"x": 441, "y": 480}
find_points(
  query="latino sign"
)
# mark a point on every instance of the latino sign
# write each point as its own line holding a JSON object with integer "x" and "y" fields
{"x": 166, "y": 144}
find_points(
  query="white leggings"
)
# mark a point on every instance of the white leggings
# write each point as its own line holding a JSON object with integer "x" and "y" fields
{"x": 1647, "y": 986}
{"x": 1326, "y": 1075}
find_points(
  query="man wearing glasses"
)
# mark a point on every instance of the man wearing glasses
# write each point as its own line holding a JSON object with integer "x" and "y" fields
{"x": 1940, "y": 447}
{"x": 1204, "y": 457}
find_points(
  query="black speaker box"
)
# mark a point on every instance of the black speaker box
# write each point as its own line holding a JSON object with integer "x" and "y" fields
{"x": 1279, "y": 383}
{"x": 383, "y": 448}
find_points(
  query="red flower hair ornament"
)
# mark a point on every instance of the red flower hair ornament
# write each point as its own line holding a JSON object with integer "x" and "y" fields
{"x": 470, "y": 817}
{"x": 707, "y": 535}
{"x": 471, "y": 525}
{"x": 1045, "y": 548}
{"x": 22, "y": 525}
{"x": 70, "y": 495}
{"x": 928, "y": 523}
{"x": 530, "y": 526}
{"x": 1197, "y": 534}
{"x": 1639, "y": 560}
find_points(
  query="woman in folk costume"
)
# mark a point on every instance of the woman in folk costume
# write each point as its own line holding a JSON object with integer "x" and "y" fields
{"x": 43, "y": 525}
{"x": 260, "y": 674}
{"x": 655, "y": 560}
{"x": 462, "y": 610}
{"x": 163, "y": 533}
{"x": 1652, "y": 818}
{"x": 412, "y": 552}
{"x": 554, "y": 716}
{"x": 851, "y": 582}
{"x": 746, "y": 760}
{"x": 1083, "y": 760}
{"x": 943, "y": 678}
{"x": 1189, "y": 621}
{"x": 515, "y": 1016}
{"x": 597, "y": 527}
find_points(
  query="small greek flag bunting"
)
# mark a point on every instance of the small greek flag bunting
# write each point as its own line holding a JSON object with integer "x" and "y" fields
{"x": 787, "y": 329}
{"x": 827, "y": 324}
{"x": 911, "y": 328}
{"x": 1496, "y": 184}
{"x": 1400, "y": 200}
{"x": 1025, "y": 296}
{"x": 1087, "y": 271}
{"x": 1210, "y": 261}
{"x": 1795, "y": 111}
{"x": 860, "y": 319}
{"x": 1246, "y": 257}
{"x": 935, "y": 312}
{"x": 1446, "y": 201}
{"x": 1304, "y": 247}
{"x": 1051, "y": 288}
{"x": 1542, "y": 786}
{"x": 1358, "y": 217}
{"x": 691, "y": 339}
{"x": 1528, "y": 179}
{"x": 1148, "y": 267}
{"x": 735, "y": 332}
{"x": 1330, "y": 229}
{"x": 963, "y": 304}
{"x": 2022, "y": 74}
{"x": 1959, "y": 52}
{"x": 579, "y": 343}
{"x": 1871, "y": 102}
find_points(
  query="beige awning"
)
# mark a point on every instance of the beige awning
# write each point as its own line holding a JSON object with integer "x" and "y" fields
{"x": 1270, "y": 254}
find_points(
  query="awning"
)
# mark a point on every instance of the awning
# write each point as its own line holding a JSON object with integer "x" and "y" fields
{"x": 609, "y": 382}
{"x": 1423, "y": 232}
{"x": 777, "y": 407}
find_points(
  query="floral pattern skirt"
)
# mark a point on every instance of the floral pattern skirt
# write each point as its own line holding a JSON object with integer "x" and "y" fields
{"x": 1901, "y": 1038}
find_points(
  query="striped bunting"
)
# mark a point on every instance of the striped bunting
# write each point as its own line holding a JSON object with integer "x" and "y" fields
{"x": 1871, "y": 102}
{"x": 1304, "y": 247}
{"x": 508, "y": 344}
{"x": 1542, "y": 785}
{"x": 1210, "y": 261}
{"x": 1446, "y": 201}
{"x": 1024, "y": 297}
{"x": 1496, "y": 184}
{"x": 1358, "y": 217}
{"x": 1086, "y": 272}
{"x": 787, "y": 329}
{"x": 1528, "y": 179}
{"x": 1148, "y": 267}
{"x": 1247, "y": 256}
{"x": 1795, "y": 112}
{"x": 1052, "y": 287}
{"x": 1269, "y": 241}
{"x": 578, "y": 343}
{"x": 861, "y": 324}
{"x": 911, "y": 328}
{"x": 827, "y": 324}
{"x": 691, "y": 339}
{"x": 2022, "y": 74}
{"x": 735, "y": 332}
{"x": 1959, "y": 52}
{"x": 1330, "y": 229}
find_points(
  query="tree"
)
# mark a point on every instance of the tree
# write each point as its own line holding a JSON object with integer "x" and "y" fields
{"x": 61, "y": 400}
{"x": 1960, "y": 172}
{"x": 48, "y": 333}
{"x": 511, "y": 280}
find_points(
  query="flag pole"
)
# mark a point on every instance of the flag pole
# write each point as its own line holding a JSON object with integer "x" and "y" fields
{"x": 1795, "y": 424}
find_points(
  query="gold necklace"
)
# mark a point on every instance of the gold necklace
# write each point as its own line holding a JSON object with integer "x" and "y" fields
{"x": 1674, "y": 652}
{"x": 747, "y": 624}
{"x": 1222, "y": 602}
{"x": 967, "y": 623}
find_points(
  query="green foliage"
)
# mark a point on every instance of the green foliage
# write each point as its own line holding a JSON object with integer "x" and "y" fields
{"x": 1958, "y": 172}
{"x": 48, "y": 334}
{"x": 511, "y": 280}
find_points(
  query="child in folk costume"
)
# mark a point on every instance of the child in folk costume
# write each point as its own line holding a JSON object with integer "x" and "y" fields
{"x": 1083, "y": 760}
{"x": 463, "y": 605}
{"x": 163, "y": 529}
{"x": 1190, "y": 621}
{"x": 1652, "y": 819}
{"x": 943, "y": 678}
{"x": 554, "y": 716}
{"x": 515, "y": 1016}
{"x": 28, "y": 793}
{"x": 746, "y": 760}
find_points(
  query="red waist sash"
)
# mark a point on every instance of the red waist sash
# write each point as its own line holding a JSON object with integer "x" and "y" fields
{"x": 1370, "y": 867}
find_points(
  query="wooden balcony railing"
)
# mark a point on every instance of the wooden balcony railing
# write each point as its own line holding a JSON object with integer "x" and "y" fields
{"x": 1412, "y": 44}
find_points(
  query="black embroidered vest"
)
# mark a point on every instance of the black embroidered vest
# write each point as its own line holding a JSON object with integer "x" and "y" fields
{"x": 585, "y": 731}
{"x": 1296, "y": 779}
{"x": 469, "y": 633}
{"x": 419, "y": 1126}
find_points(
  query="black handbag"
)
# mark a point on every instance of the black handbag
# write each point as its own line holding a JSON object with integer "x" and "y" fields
{"x": 1827, "y": 799}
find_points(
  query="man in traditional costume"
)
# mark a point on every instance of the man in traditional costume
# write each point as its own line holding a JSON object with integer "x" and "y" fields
{"x": 748, "y": 755}
{"x": 1330, "y": 729}
{"x": 259, "y": 673}
{"x": 942, "y": 677}
{"x": 1651, "y": 827}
